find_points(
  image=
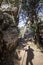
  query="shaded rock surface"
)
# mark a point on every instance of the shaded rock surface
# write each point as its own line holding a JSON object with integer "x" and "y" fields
{"x": 9, "y": 39}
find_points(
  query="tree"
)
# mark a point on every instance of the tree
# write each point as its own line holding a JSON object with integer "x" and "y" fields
{"x": 33, "y": 7}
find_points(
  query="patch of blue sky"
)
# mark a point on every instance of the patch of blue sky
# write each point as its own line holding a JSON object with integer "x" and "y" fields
{"x": 22, "y": 19}
{"x": 40, "y": 14}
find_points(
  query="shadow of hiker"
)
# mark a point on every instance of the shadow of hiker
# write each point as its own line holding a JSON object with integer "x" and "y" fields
{"x": 30, "y": 56}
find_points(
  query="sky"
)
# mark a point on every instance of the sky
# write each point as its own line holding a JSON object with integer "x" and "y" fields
{"x": 23, "y": 18}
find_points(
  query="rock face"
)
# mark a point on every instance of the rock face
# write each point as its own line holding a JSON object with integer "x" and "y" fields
{"x": 11, "y": 36}
{"x": 8, "y": 35}
{"x": 9, "y": 29}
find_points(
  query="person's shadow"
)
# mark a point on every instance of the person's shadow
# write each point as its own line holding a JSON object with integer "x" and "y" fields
{"x": 30, "y": 56}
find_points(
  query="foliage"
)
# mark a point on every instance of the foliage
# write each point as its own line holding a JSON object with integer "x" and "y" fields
{"x": 33, "y": 7}
{"x": 14, "y": 2}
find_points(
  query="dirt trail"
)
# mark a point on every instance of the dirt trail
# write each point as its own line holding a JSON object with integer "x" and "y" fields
{"x": 38, "y": 56}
